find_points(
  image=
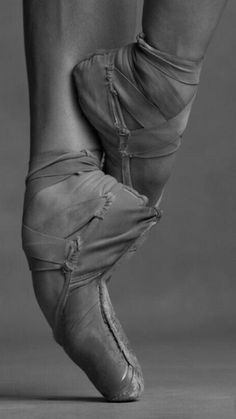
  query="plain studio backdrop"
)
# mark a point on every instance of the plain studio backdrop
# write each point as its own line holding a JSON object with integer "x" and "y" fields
{"x": 182, "y": 282}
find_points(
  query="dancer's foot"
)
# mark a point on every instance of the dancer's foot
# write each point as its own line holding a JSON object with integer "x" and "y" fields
{"x": 139, "y": 100}
{"x": 78, "y": 223}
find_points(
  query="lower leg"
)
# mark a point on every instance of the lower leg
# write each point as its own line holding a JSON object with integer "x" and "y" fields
{"x": 57, "y": 34}
{"x": 182, "y": 27}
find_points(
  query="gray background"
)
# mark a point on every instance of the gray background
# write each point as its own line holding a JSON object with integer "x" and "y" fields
{"x": 178, "y": 291}
{"x": 183, "y": 280}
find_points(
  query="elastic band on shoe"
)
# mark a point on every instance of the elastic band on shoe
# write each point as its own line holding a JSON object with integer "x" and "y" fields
{"x": 49, "y": 158}
{"x": 184, "y": 70}
{"x": 47, "y": 169}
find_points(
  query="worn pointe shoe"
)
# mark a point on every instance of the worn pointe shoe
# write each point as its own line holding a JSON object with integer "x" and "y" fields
{"x": 77, "y": 225}
{"x": 138, "y": 99}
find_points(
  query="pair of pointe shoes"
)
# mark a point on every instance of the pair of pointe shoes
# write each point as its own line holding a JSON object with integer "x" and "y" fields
{"x": 79, "y": 222}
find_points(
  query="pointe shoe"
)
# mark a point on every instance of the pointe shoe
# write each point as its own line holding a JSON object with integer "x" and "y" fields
{"x": 138, "y": 99}
{"x": 78, "y": 223}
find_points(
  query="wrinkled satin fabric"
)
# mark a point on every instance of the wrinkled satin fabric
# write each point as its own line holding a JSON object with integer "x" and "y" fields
{"x": 92, "y": 222}
{"x": 139, "y": 100}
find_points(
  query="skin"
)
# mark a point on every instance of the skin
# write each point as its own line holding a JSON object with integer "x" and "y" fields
{"x": 58, "y": 34}
{"x": 181, "y": 27}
